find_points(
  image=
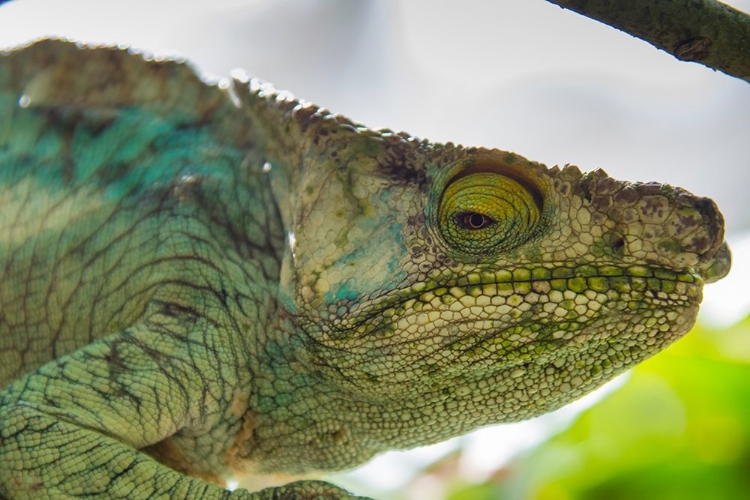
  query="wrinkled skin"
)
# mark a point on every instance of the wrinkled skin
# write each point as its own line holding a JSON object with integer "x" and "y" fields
{"x": 204, "y": 281}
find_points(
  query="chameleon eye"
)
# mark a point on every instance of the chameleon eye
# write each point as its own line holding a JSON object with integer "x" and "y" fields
{"x": 484, "y": 213}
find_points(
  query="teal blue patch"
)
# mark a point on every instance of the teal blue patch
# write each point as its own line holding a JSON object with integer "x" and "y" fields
{"x": 122, "y": 152}
{"x": 344, "y": 292}
{"x": 381, "y": 242}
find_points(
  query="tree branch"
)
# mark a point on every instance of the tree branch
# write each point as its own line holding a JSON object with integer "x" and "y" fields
{"x": 703, "y": 31}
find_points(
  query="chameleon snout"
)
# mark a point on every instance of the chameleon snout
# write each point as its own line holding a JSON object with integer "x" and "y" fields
{"x": 658, "y": 225}
{"x": 707, "y": 240}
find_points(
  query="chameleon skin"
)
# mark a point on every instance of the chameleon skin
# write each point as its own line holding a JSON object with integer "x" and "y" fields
{"x": 202, "y": 281}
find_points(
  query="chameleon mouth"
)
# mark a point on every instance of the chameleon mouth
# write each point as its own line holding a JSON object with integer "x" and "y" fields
{"x": 513, "y": 297}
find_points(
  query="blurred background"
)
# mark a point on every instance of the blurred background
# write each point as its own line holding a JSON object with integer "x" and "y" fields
{"x": 529, "y": 77}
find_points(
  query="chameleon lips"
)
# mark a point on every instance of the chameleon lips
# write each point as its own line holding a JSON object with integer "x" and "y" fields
{"x": 537, "y": 296}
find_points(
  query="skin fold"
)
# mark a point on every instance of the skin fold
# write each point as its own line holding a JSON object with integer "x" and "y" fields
{"x": 201, "y": 281}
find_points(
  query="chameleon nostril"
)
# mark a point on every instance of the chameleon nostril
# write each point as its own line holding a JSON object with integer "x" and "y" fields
{"x": 617, "y": 244}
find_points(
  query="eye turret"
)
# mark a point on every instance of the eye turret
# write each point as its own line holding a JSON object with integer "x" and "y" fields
{"x": 484, "y": 213}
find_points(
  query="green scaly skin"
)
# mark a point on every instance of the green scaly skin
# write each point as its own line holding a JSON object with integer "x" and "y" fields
{"x": 202, "y": 281}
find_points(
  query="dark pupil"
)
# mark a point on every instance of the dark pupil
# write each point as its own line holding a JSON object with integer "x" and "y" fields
{"x": 474, "y": 220}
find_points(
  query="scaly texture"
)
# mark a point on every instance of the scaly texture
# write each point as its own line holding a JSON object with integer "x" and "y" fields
{"x": 199, "y": 281}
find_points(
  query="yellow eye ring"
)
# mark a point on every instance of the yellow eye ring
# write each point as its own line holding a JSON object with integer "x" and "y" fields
{"x": 485, "y": 213}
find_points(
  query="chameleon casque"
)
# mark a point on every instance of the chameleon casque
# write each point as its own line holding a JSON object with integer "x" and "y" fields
{"x": 200, "y": 281}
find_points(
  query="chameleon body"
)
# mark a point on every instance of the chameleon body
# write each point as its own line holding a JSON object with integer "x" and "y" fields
{"x": 200, "y": 281}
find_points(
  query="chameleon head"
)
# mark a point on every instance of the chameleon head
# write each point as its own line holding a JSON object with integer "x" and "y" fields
{"x": 458, "y": 287}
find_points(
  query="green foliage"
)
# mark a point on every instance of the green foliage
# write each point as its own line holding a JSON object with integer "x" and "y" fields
{"x": 679, "y": 429}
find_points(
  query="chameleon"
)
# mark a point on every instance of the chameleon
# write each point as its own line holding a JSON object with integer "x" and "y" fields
{"x": 204, "y": 279}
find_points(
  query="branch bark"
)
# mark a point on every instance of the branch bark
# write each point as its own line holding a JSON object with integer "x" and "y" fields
{"x": 703, "y": 31}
